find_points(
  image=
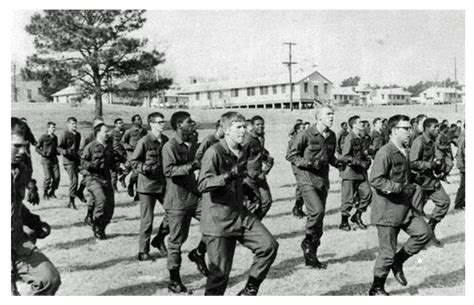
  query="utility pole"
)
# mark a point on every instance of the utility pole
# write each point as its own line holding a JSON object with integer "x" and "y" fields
{"x": 289, "y": 63}
{"x": 455, "y": 87}
{"x": 15, "y": 91}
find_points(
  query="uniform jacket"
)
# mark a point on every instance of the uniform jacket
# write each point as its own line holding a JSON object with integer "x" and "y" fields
{"x": 47, "y": 148}
{"x": 421, "y": 154}
{"x": 119, "y": 151}
{"x": 390, "y": 171}
{"x": 207, "y": 142}
{"x": 131, "y": 136}
{"x": 378, "y": 140}
{"x": 97, "y": 160}
{"x": 460, "y": 155}
{"x": 148, "y": 161}
{"x": 308, "y": 146}
{"x": 181, "y": 184}
{"x": 341, "y": 136}
{"x": 413, "y": 136}
{"x": 443, "y": 146}
{"x": 69, "y": 143}
{"x": 353, "y": 151}
{"x": 223, "y": 211}
{"x": 256, "y": 154}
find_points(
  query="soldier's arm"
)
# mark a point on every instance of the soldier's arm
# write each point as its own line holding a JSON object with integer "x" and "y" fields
{"x": 86, "y": 160}
{"x": 296, "y": 152}
{"x": 209, "y": 177}
{"x": 416, "y": 153}
{"x": 39, "y": 146}
{"x": 137, "y": 158}
{"x": 126, "y": 139}
{"x": 206, "y": 143}
{"x": 251, "y": 146}
{"x": 347, "y": 152}
{"x": 380, "y": 173}
{"x": 171, "y": 168}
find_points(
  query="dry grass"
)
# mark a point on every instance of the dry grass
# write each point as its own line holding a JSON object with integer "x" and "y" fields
{"x": 90, "y": 267}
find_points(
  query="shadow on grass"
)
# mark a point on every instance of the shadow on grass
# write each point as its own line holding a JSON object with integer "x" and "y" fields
{"x": 86, "y": 241}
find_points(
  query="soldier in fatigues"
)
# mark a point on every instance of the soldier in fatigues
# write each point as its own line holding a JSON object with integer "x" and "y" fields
{"x": 69, "y": 144}
{"x": 420, "y": 119}
{"x": 460, "y": 201}
{"x": 225, "y": 220}
{"x": 341, "y": 136}
{"x": 28, "y": 262}
{"x": 354, "y": 178}
{"x": 47, "y": 148}
{"x": 147, "y": 160}
{"x": 377, "y": 138}
{"x": 209, "y": 140}
{"x": 312, "y": 152}
{"x": 425, "y": 167}
{"x": 259, "y": 164}
{"x": 129, "y": 141}
{"x": 299, "y": 202}
{"x": 392, "y": 210}
{"x": 97, "y": 160}
{"x": 181, "y": 199}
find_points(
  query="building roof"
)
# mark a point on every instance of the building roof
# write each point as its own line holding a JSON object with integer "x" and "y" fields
{"x": 442, "y": 90}
{"x": 343, "y": 91}
{"x": 68, "y": 91}
{"x": 394, "y": 91}
{"x": 278, "y": 79}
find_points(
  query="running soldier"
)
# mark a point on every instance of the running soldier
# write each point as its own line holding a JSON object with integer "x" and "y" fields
{"x": 377, "y": 138}
{"x": 299, "y": 202}
{"x": 47, "y": 148}
{"x": 119, "y": 152}
{"x": 341, "y": 136}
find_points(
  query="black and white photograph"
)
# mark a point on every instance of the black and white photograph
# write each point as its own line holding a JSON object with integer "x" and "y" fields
{"x": 238, "y": 152}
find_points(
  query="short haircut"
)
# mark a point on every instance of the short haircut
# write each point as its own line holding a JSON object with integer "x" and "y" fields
{"x": 394, "y": 120}
{"x": 98, "y": 127}
{"x": 154, "y": 115}
{"x": 458, "y": 121}
{"x": 365, "y": 122}
{"x": 318, "y": 110}
{"x": 229, "y": 117}
{"x": 343, "y": 123}
{"x": 299, "y": 121}
{"x": 307, "y": 123}
{"x": 256, "y": 118}
{"x": 117, "y": 120}
{"x": 443, "y": 127}
{"x": 50, "y": 124}
{"x": 376, "y": 120}
{"x": 297, "y": 127}
{"x": 18, "y": 127}
{"x": 429, "y": 122}
{"x": 24, "y": 119}
{"x": 353, "y": 119}
{"x": 135, "y": 116}
{"x": 178, "y": 117}
{"x": 384, "y": 121}
{"x": 412, "y": 121}
{"x": 453, "y": 125}
{"x": 71, "y": 119}
{"x": 421, "y": 117}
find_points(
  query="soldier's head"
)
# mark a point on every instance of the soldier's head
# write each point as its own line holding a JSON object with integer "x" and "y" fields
{"x": 443, "y": 128}
{"x": 445, "y": 121}
{"x": 118, "y": 124}
{"x": 431, "y": 127}
{"x": 19, "y": 144}
{"x": 344, "y": 125}
{"x": 420, "y": 119}
{"x": 459, "y": 123}
{"x": 297, "y": 128}
{"x": 137, "y": 120}
{"x": 258, "y": 124}
{"x": 400, "y": 129}
{"x": 182, "y": 122}
{"x": 233, "y": 124}
{"x": 101, "y": 131}
{"x": 157, "y": 121}
{"x": 219, "y": 130}
{"x": 51, "y": 128}
{"x": 72, "y": 123}
{"x": 306, "y": 125}
{"x": 377, "y": 122}
{"x": 299, "y": 121}
{"x": 355, "y": 123}
{"x": 366, "y": 126}
{"x": 325, "y": 115}
{"x": 248, "y": 125}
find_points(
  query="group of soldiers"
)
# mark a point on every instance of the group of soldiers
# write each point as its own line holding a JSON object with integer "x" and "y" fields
{"x": 221, "y": 182}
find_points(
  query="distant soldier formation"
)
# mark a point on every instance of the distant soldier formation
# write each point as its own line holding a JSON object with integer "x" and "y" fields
{"x": 394, "y": 166}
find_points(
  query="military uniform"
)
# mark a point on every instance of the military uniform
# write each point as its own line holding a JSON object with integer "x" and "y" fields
{"x": 207, "y": 142}
{"x": 460, "y": 201}
{"x": 298, "y": 195}
{"x": 97, "y": 160}
{"x": 147, "y": 160}
{"x": 120, "y": 155}
{"x": 255, "y": 184}
{"x": 377, "y": 141}
{"x": 28, "y": 262}
{"x": 47, "y": 147}
{"x": 392, "y": 210}
{"x": 443, "y": 152}
{"x": 341, "y": 136}
{"x": 129, "y": 141}
{"x": 69, "y": 144}
{"x": 225, "y": 220}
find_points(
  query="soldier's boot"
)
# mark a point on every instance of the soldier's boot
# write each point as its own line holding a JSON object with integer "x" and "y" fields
{"x": 197, "y": 256}
{"x": 309, "y": 252}
{"x": 435, "y": 241}
{"x": 175, "y": 285}
{"x": 71, "y": 204}
{"x": 88, "y": 219}
{"x": 344, "y": 226}
{"x": 298, "y": 209}
{"x": 378, "y": 286}
{"x": 159, "y": 240}
{"x": 98, "y": 227}
{"x": 137, "y": 197}
{"x": 397, "y": 267}
{"x": 251, "y": 288}
{"x": 122, "y": 181}
{"x": 46, "y": 195}
{"x": 357, "y": 219}
{"x": 80, "y": 192}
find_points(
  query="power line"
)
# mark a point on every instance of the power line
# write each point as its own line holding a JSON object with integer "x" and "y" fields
{"x": 289, "y": 63}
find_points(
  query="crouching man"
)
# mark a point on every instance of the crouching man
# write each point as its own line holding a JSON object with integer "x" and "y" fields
{"x": 392, "y": 209}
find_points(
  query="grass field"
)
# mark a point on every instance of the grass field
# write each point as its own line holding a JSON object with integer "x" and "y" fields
{"x": 110, "y": 267}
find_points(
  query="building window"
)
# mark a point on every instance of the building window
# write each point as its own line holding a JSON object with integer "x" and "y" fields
{"x": 39, "y": 90}
{"x": 251, "y": 91}
{"x": 234, "y": 92}
{"x": 264, "y": 90}
{"x": 292, "y": 87}
{"x": 208, "y": 95}
{"x": 325, "y": 88}
{"x": 274, "y": 89}
{"x": 437, "y": 93}
{"x": 197, "y": 96}
{"x": 305, "y": 87}
{"x": 283, "y": 88}
{"x": 383, "y": 96}
{"x": 315, "y": 90}
{"x": 29, "y": 93}
{"x": 221, "y": 94}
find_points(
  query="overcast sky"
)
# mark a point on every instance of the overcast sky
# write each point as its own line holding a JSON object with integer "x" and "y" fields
{"x": 382, "y": 47}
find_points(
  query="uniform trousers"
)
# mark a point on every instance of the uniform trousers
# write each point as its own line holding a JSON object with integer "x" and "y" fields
{"x": 460, "y": 200}
{"x": 147, "y": 207}
{"x": 259, "y": 196}
{"x": 439, "y": 198}
{"x": 103, "y": 198}
{"x": 72, "y": 171}
{"x": 351, "y": 189}
{"x": 51, "y": 176}
{"x": 315, "y": 203}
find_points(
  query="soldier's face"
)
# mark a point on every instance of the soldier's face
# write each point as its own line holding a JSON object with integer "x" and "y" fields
{"x": 433, "y": 130}
{"x": 325, "y": 115}
{"x": 259, "y": 127}
{"x": 357, "y": 125}
{"x": 19, "y": 148}
{"x": 102, "y": 135}
{"x": 51, "y": 129}
{"x": 188, "y": 126}
{"x": 119, "y": 125}
{"x": 72, "y": 125}
{"x": 138, "y": 121}
{"x": 403, "y": 131}
{"x": 236, "y": 132}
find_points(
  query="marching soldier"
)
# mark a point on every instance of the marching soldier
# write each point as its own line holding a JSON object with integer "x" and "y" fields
{"x": 259, "y": 164}
{"x": 427, "y": 169}
{"x": 312, "y": 152}
{"x": 209, "y": 140}
{"x": 392, "y": 209}
{"x": 119, "y": 152}
{"x": 460, "y": 201}
{"x": 47, "y": 148}
{"x": 354, "y": 178}
{"x": 97, "y": 160}
{"x": 69, "y": 146}
{"x": 129, "y": 141}
{"x": 377, "y": 138}
{"x": 147, "y": 160}
{"x": 28, "y": 262}
{"x": 299, "y": 202}
{"x": 341, "y": 136}
{"x": 225, "y": 220}
{"x": 420, "y": 119}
